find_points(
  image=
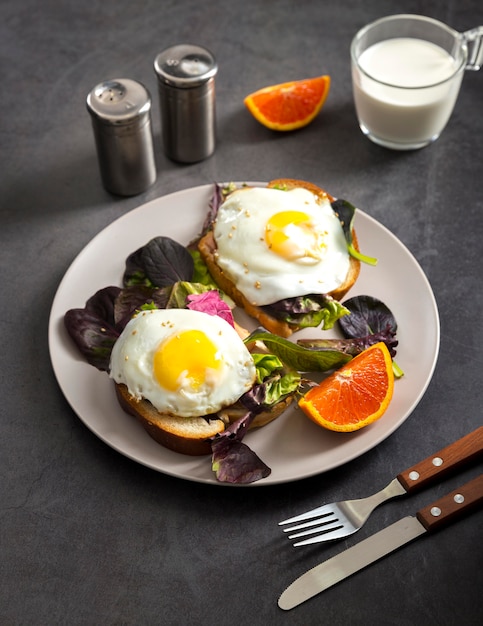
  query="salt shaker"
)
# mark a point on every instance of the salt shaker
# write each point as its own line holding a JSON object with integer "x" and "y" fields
{"x": 120, "y": 110}
{"x": 186, "y": 84}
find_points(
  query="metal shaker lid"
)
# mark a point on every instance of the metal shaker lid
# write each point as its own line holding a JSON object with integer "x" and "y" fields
{"x": 118, "y": 101}
{"x": 185, "y": 65}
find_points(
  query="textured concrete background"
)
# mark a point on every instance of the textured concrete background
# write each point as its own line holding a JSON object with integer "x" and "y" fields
{"x": 88, "y": 536}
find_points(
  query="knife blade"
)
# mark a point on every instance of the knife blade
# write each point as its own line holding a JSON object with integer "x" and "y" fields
{"x": 428, "y": 519}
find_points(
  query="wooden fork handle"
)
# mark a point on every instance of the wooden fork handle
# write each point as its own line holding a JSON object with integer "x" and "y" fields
{"x": 446, "y": 460}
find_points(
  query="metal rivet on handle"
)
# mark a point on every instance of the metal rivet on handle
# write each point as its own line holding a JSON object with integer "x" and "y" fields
{"x": 435, "y": 511}
{"x": 414, "y": 475}
{"x": 459, "y": 498}
{"x": 437, "y": 461}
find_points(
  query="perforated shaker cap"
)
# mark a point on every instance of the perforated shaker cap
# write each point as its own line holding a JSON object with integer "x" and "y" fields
{"x": 185, "y": 65}
{"x": 119, "y": 101}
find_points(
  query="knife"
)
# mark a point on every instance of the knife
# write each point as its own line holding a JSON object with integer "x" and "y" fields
{"x": 370, "y": 550}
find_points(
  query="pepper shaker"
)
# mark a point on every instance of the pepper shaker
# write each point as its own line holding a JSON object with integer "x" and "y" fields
{"x": 186, "y": 84}
{"x": 120, "y": 110}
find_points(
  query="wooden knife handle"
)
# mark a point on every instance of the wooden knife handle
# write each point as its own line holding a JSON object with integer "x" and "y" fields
{"x": 458, "y": 502}
{"x": 448, "y": 459}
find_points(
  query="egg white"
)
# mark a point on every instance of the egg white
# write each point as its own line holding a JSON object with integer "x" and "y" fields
{"x": 260, "y": 274}
{"x": 132, "y": 362}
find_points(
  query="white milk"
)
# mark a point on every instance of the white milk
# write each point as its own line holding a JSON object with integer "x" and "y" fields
{"x": 409, "y": 114}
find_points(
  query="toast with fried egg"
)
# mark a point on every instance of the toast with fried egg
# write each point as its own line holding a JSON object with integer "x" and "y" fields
{"x": 190, "y": 435}
{"x": 232, "y": 283}
{"x": 183, "y": 374}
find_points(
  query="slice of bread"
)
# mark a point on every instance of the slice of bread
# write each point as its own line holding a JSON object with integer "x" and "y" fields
{"x": 189, "y": 435}
{"x": 207, "y": 248}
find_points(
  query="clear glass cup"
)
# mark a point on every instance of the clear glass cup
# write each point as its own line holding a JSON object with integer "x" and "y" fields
{"x": 406, "y": 75}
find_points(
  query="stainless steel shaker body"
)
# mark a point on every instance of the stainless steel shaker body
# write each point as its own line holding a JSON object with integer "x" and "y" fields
{"x": 121, "y": 119}
{"x": 186, "y": 84}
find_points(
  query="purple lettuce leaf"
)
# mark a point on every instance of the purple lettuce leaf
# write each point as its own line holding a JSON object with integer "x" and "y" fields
{"x": 96, "y": 327}
{"x": 232, "y": 460}
{"x": 350, "y": 345}
{"x": 93, "y": 328}
{"x": 369, "y": 320}
{"x": 131, "y": 299}
{"x": 307, "y": 311}
{"x": 215, "y": 202}
{"x": 102, "y": 304}
{"x": 159, "y": 263}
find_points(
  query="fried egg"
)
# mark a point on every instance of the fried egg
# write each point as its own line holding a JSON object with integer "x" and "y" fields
{"x": 276, "y": 244}
{"x": 185, "y": 362}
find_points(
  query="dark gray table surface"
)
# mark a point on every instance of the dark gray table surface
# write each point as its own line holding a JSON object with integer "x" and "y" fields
{"x": 88, "y": 536}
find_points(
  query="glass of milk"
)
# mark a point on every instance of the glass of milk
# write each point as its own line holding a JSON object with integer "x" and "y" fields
{"x": 406, "y": 75}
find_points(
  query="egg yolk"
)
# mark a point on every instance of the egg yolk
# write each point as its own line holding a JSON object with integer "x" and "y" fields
{"x": 185, "y": 356}
{"x": 291, "y": 235}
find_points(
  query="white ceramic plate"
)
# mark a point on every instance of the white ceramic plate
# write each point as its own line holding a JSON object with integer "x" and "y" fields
{"x": 292, "y": 445}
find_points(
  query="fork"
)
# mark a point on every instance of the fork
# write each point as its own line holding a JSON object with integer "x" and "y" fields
{"x": 341, "y": 519}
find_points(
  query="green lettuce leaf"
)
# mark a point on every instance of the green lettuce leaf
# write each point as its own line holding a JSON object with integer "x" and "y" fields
{"x": 278, "y": 387}
{"x": 346, "y": 211}
{"x": 297, "y": 357}
{"x": 201, "y": 273}
{"x": 277, "y": 381}
{"x": 180, "y": 291}
{"x": 308, "y": 311}
{"x": 266, "y": 364}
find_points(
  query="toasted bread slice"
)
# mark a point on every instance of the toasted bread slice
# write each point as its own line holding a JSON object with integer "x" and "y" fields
{"x": 207, "y": 248}
{"x": 189, "y": 435}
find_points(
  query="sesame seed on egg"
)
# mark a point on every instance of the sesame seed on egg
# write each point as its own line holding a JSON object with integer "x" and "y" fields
{"x": 284, "y": 248}
{"x": 198, "y": 368}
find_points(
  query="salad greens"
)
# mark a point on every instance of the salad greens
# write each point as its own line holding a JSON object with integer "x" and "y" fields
{"x": 165, "y": 274}
{"x": 96, "y": 327}
{"x": 345, "y": 211}
{"x": 93, "y": 328}
{"x": 160, "y": 263}
{"x": 299, "y": 357}
{"x": 369, "y": 321}
{"x": 373, "y": 320}
{"x": 160, "y": 275}
{"x": 307, "y": 311}
{"x": 369, "y": 318}
{"x": 232, "y": 460}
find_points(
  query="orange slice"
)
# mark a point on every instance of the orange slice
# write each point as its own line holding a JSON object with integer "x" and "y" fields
{"x": 289, "y": 105}
{"x": 355, "y": 395}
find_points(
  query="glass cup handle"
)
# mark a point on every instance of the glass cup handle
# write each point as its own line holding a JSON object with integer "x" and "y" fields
{"x": 474, "y": 40}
